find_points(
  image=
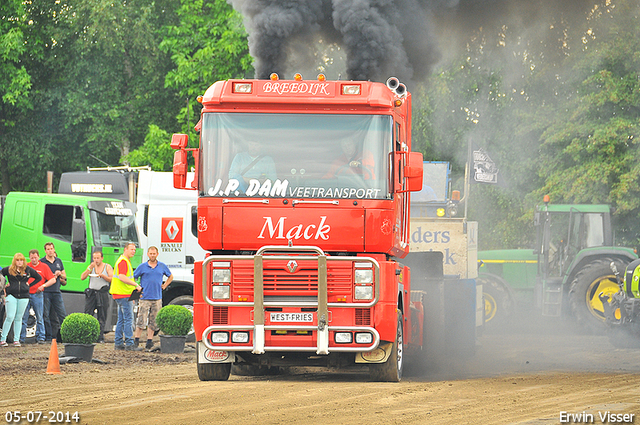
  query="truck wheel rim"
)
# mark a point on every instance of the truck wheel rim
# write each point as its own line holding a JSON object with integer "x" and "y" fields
{"x": 604, "y": 285}
{"x": 490, "y": 307}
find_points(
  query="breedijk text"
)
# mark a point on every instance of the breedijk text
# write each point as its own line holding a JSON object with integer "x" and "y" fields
{"x": 313, "y": 89}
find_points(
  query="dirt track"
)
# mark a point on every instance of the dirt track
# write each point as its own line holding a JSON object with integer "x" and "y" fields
{"x": 522, "y": 377}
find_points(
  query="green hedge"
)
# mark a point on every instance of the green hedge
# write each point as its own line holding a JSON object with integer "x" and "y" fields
{"x": 174, "y": 320}
{"x": 80, "y": 328}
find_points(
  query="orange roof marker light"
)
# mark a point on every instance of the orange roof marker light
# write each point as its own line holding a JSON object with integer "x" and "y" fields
{"x": 199, "y": 99}
{"x": 398, "y": 102}
{"x": 321, "y": 77}
{"x": 242, "y": 88}
{"x": 274, "y": 77}
{"x": 297, "y": 76}
{"x": 546, "y": 199}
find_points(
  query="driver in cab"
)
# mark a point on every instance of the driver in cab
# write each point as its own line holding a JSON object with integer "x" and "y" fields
{"x": 252, "y": 164}
{"x": 352, "y": 161}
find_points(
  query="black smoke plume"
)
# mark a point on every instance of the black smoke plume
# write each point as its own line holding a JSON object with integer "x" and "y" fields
{"x": 377, "y": 35}
{"x": 381, "y": 38}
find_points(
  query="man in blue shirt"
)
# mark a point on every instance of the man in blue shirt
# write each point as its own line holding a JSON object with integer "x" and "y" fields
{"x": 151, "y": 275}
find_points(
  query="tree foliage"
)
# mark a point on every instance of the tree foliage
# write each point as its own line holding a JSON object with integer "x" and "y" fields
{"x": 86, "y": 82}
{"x": 208, "y": 44}
{"x": 556, "y": 107}
{"x": 554, "y": 101}
{"x": 15, "y": 84}
{"x": 156, "y": 152}
{"x": 589, "y": 153}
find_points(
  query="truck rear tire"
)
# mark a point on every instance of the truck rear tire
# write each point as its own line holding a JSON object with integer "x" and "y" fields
{"x": 498, "y": 304}
{"x": 391, "y": 370}
{"x": 595, "y": 278}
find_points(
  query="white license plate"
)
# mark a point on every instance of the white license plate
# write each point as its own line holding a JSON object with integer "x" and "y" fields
{"x": 292, "y": 317}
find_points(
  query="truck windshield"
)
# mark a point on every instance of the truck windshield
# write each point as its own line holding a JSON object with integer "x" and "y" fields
{"x": 113, "y": 223}
{"x": 296, "y": 155}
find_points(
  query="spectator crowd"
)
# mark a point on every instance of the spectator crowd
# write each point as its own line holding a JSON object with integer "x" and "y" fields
{"x": 35, "y": 285}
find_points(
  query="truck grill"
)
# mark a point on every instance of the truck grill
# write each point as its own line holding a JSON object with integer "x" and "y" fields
{"x": 278, "y": 281}
{"x": 220, "y": 315}
{"x": 363, "y": 317}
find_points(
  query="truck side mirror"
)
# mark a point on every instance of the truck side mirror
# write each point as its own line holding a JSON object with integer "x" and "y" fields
{"x": 179, "y": 141}
{"x": 413, "y": 171}
{"x": 180, "y": 169}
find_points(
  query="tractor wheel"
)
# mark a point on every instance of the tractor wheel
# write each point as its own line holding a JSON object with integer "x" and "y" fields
{"x": 498, "y": 304}
{"x": 391, "y": 370}
{"x": 213, "y": 371}
{"x": 595, "y": 278}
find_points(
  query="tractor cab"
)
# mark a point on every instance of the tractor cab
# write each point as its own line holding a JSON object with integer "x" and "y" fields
{"x": 567, "y": 236}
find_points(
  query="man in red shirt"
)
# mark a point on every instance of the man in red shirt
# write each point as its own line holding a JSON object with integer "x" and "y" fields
{"x": 36, "y": 297}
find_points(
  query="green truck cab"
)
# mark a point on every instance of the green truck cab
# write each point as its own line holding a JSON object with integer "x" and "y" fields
{"x": 77, "y": 225}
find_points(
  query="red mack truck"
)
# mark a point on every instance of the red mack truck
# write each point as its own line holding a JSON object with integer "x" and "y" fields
{"x": 303, "y": 207}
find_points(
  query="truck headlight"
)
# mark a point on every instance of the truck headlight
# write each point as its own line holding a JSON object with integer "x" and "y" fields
{"x": 364, "y": 338}
{"x": 221, "y": 276}
{"x": 220, "y": 292}
{"x": 343, "y": 337}
{"x": 219, "y": 337}
{"x": 363, "y": 276}
{"x": 363, "y": 292}
{"x": 240, "y": 337}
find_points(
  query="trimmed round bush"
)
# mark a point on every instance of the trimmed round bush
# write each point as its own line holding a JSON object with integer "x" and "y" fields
{"x": 174, "y": 320}
{"x": 80, "y": 328}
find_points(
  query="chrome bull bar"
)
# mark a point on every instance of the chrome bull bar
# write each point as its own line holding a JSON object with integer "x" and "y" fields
{"x": 259, "y": 302}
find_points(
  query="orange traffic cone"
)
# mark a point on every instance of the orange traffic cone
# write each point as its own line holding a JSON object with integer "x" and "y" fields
{"x": 53, "y": 367}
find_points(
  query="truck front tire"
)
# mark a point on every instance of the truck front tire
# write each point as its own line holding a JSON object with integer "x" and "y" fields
{"x": 391, "y": 370}
{"x": 214, "y": 371}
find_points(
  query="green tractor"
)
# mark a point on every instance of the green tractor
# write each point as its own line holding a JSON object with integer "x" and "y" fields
{"x": 566, "y": 273}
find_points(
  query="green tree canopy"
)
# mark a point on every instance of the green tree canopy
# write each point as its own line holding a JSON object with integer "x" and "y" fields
{"x": 589, "y": 152}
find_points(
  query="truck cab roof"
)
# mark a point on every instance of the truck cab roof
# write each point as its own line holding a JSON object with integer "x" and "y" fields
{"x": 99, "y": 184}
